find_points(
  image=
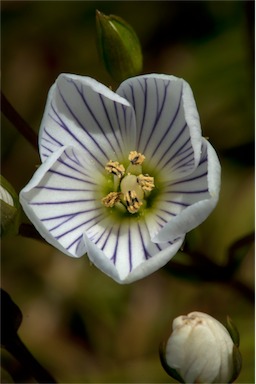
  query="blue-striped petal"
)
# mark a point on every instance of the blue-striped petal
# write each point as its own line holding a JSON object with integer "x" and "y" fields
{"x": 63, "y": 200}
{"x": 168, "y": 127}
{"x": 88, "y": 115}
{"x": 125, "y": 252}
{"x": 186, "y": 203}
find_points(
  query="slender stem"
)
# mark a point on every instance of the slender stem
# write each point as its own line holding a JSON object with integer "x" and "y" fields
{"x": 28, "y": 230}
{"x": 16, "y": 347}
{"x": 18, "y": 122}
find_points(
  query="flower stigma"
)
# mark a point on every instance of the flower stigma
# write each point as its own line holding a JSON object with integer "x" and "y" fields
{"x": 131, "y": 186}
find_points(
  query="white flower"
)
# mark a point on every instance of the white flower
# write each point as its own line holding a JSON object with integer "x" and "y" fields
{"x": 124, "y": 175}
{"x": 200, "y": 350}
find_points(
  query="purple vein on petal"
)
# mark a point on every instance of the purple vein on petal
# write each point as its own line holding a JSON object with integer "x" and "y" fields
{"x": 60, "y": 160}
{"x": 189, "y": 192}
{"x": 190, "y": 179}
{"x": 130, "y": 249}
{"x": 110, "y": 123}
{"x": 169, "y": 128}
{"x": 73, "y": 159}
{"x": 74, "y": 242}
{"x": 114, "y": 256}
{"x": 53, "y": 139}
{"x": 62, "y": 189}
{"x": 78, "y": 226}
{"x": 188, "y": 159}
{"x": 62, "y": 125}
{"x": 100, "y": 236}
{"x": 172, "y": 144}
{"x": 78, "y": 121}
{"x": 118, "y": 118}
{"x": 145, "y": 97}
{"x": 158, "y": 113}
{"x": 61, "y": 202}
{"x": 81, "y": 93}
{"x": 179, "y": 203}
{"x": 69, "y": 176}
{"x": 106, "y": 240}
{"x": 67, "y": 219}
{"x": 146, "y": 253}
{"x": 165, "y": 211}
{"x": 68, "y": 214}
{"x": 47, "y": 149}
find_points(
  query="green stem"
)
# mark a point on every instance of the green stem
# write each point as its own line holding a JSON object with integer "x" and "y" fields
{"x": 18, "y": 122}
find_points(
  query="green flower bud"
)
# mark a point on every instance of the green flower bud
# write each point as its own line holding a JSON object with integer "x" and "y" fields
{"x": 200, "y": 350}
{"x": 119, "y": 47}
{"x": 10, "y": 208}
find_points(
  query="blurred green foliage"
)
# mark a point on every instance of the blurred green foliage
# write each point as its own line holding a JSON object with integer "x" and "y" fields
{"x": 78, "y": 323}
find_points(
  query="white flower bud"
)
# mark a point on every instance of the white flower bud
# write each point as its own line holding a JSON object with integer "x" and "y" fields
{"x": 201, "y": 350}
{"x": 6, "y": 196}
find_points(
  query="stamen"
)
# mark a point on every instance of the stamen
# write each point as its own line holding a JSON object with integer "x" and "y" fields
{"x": 136, "y": 158}
{"x": 132, "y": 202}
{"x": 116, "y": 168}
{"x": 146, "y": 182}
{"x": 111, "y": 199}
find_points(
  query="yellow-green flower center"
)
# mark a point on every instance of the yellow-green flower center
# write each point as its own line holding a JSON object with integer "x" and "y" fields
{"x": 131, "y": 186}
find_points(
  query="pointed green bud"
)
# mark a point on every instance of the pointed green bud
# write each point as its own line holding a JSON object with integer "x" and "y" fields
{"x": 119, "y": 47}
{"x": 10, "y": 208}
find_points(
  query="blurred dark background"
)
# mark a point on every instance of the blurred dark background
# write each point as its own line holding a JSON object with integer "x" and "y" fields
{"x": 77, "y": 322}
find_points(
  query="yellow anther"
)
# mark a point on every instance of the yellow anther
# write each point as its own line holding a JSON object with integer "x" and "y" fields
{"x": 146, "y": 182}
{"x": 136, "y": 158}
{"x": 132, "y": 202}
{"x": 111, "y": 199}
{"x": 116, "y": 168}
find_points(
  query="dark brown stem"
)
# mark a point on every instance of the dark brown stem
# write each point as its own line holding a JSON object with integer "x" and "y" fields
{"x": 18, "y": 122}
{"x": 16, "y": 347}
{"x": 28, "y": 230}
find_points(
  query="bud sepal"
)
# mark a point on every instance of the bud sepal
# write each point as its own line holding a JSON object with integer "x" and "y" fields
{"x": 119, "y": 47}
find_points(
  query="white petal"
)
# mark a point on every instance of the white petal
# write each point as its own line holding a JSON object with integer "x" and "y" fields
{"x": 125, "y": 252}
{"x": 198, "y": 192}
{"x": 84, "y": 113}
{"x": 168, "y": 126}
{"x": 62, "y": 199}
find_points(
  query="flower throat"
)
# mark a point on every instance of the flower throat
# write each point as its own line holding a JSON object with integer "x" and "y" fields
{"x": 131, "y": 186}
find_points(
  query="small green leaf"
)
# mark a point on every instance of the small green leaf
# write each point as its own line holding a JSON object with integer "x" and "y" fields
{"x": 233, "y": 331}
{"x": 119, "y": 47}
{"x": 237, "y": 364}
